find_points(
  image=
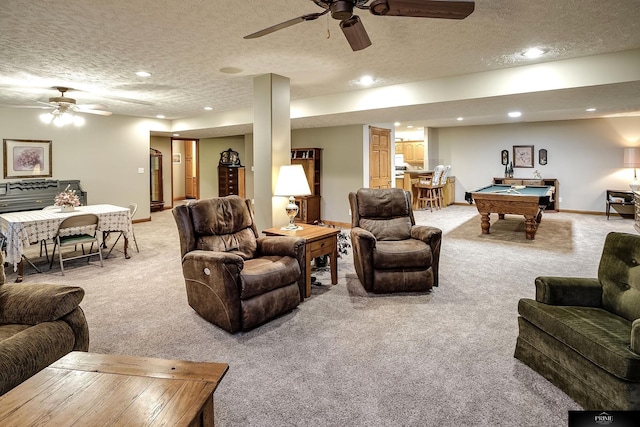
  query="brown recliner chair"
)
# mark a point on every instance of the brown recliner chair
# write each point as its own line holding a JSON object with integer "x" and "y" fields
{"x": 390, "y": 252}
{"x": 235, "y": 279}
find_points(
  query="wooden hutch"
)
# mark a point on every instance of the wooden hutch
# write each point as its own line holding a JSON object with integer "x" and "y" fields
{"x": 230, "y": 175}
{"x": 308, "y": 206}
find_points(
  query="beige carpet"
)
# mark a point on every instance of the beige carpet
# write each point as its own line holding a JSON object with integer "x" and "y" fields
{"x": 347, "y": 358}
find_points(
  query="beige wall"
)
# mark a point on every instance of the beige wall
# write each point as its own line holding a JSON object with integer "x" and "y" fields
{"x": 105, "y": 154}
{"x": 210, "y": 149}
{"x": 584, "y": 155}
{"x": 342, "y": 166}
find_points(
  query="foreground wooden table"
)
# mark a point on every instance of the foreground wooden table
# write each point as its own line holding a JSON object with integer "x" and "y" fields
{"x": 99, "y": 389}
{"x": 318, "y": 241}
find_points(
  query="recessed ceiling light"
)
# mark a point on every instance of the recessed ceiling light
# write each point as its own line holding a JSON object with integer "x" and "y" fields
{"x": 397, "y": 124}
{"x": 143, "y": 74}
{"x": 366, "y": 80}
{"x": 409, "y": 127}
{"x": 208, "y": 108}
{"x": 160, "y": 116}
{"x": 230, "y": 70}
{"x": 514, "y": 114}
{"x": 176, "y": 134}
{"x": 460, "y": 119}
{"x": 534, "y": 52}
{"x": 591, "y": 110}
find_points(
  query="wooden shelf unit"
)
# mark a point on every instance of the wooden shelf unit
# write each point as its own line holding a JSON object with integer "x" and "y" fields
{"x": 554, "y": 205}
{"x": 311, "y": 161}
{"x": 231, "y": 181}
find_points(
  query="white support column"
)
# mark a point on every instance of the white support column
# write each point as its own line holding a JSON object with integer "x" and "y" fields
{"x": 271, "y": 146}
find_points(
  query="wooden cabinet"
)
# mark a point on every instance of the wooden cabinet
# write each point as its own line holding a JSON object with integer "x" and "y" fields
{"x": 231, "y": 181}
{"x": 449, "y": 191}
{"x": 554, "y": 205}
{"x": 311, "y": 161}
{"x": 413, "y": 151}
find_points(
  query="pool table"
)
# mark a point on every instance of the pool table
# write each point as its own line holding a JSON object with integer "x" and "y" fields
{"x": 529, "y": 201}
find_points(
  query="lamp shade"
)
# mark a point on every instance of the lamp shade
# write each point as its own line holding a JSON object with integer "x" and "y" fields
{"x": 632, "y": 157}
{"x": 292, "y": 181}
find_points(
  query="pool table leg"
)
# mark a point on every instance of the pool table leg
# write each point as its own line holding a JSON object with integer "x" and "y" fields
{"x": 530, "y": 226}
{"x": 485, "y": 223}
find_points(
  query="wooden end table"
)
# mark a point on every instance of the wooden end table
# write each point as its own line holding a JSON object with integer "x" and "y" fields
{"x": 318, "y": 241}
{"x": 101, "y": 389}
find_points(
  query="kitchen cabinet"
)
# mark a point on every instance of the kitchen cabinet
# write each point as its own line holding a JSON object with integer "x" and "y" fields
{"x": 413, "y": 151}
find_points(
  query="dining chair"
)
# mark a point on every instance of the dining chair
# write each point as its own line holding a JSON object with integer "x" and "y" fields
{"x": 76, "y": 230}
{"x": 133, "y": 208}
{"x": 44, "y": 243}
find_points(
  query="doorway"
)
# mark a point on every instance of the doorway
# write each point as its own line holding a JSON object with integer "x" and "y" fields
{"x": 185, "y": 173}
{"x": 379, "y": 158}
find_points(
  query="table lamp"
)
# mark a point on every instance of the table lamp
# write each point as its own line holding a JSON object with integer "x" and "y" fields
{"x": 632, "y": 160}
{"x": 291, "y": 182}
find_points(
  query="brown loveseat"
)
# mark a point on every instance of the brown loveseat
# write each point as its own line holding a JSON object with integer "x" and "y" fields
{"x": 39, "y": 324}
{"x": 390, "y": 252}
{"x": 235, "y": 279}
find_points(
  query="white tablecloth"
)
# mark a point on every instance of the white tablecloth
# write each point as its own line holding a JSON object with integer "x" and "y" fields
{"x": 21, "y": 229}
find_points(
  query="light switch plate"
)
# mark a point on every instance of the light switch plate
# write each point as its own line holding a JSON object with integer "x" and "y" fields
{"x": 140, "y": 170}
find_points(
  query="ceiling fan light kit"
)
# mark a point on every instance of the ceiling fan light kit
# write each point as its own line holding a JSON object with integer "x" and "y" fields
{"x": 352, "y": 27}
{"x": 64, "y": 110}
{"x": 355, "y": 33}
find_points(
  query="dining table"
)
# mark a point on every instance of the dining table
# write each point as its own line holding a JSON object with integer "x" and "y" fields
{"x": 22, "y": 229}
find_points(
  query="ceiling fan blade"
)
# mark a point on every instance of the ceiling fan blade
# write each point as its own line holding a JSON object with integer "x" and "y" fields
{"x": 355, "y": 33}
{"x": 91, "y": 107}
{"x": 286, "y": 24}
{"x": 98, "y": 112}
{"x": 442, "y": 9}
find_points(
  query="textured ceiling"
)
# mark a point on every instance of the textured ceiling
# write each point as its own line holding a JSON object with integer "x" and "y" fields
{"x": 96, "y": 46}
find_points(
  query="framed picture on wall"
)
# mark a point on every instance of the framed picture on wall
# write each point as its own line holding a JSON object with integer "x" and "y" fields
{"x": 176, "y": 158}
{"x": 523, "y": 156}
{"x": 26, "y": 158}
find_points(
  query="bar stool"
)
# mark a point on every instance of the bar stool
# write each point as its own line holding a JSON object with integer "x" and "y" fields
{"x": 427, "y": 194}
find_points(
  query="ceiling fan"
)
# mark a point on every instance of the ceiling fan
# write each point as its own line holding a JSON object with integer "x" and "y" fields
{"x": 64, "y": 104}
{"x": 354, "y": 31}
{"x": 64, "y": 109}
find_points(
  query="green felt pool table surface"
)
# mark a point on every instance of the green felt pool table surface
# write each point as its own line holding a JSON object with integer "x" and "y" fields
{"x": 542, "y": 190}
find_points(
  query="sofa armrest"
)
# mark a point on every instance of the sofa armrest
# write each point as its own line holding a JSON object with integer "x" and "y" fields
{"x": 635, "y": 336}
{"x": 30, "y": 304}
{"x": 280, "y": 245}
{"x": 432, "y": 236}
{"x": 287, "y": 246}
{"x": 580, "y": 291}
{"x": 213, "y": 286}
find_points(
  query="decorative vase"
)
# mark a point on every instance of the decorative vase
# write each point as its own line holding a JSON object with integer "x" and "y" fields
{"x": 67, "y": 208}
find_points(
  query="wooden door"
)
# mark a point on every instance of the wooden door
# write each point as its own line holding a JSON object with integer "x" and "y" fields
{"x": 379, "y": 158}
{"x": 190, "y": 170}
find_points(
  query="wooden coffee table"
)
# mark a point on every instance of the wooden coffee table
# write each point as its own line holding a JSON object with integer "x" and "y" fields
{"x": 99, "y": 389}
{"x": 318, "y": 241}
